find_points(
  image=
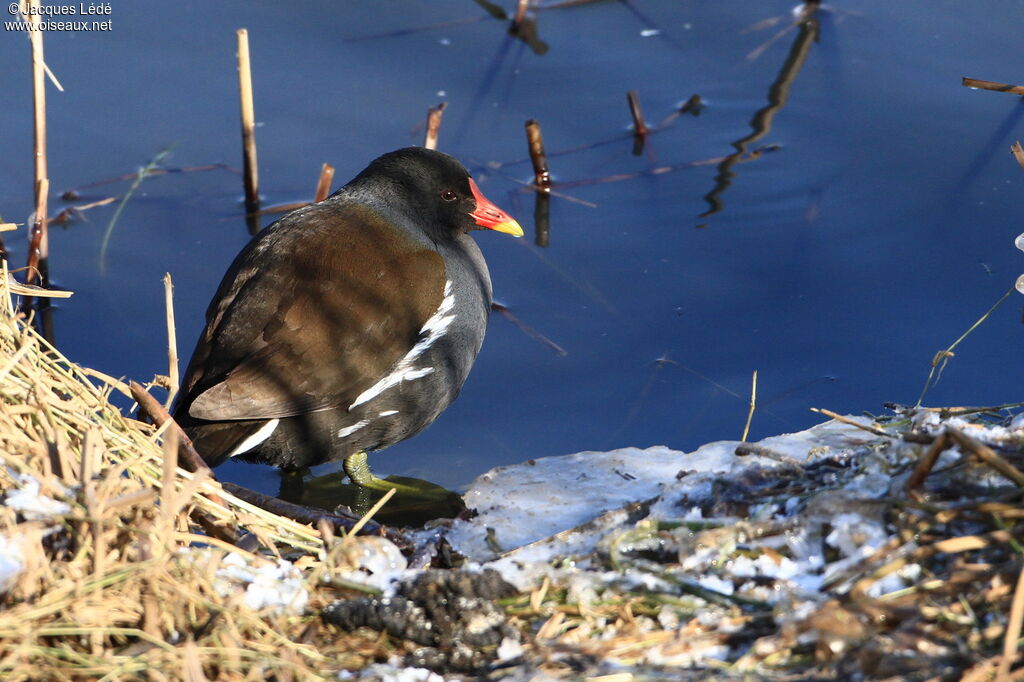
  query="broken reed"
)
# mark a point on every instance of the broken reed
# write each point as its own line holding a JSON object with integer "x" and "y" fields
{"x": 250, "y": 172}
{"x": 520, "y": 16}
{"x": 639, "y": 125}
{"x": 323, "y": 185}
{"x": 433, "y": 125}
{"x": 992, "y": 85}
{"x": 541, "y": 176}
{"x": 39, "y": 250}
{"x": 541, "y": 182}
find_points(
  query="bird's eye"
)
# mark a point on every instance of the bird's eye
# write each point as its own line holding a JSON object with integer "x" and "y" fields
{"x": 449, "y": 195}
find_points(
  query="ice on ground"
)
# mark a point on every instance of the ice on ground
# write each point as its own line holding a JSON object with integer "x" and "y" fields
{"x": 267, "y": 584}
{"x": 525, "y": 503}
{"x": 33, "y": 504}
{"x": 12, "y": 562}
{"x": 371, "y": 561}
{"x": 711, "y": 515}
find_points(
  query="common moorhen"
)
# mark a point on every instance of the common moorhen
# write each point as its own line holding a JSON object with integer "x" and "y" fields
{"x": 348, "y": 325}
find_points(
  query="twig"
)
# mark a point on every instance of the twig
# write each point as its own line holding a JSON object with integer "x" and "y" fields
{"x": 846, "y": 420}
{"x": 987, "y": 455}
{"x": 172, "y": 341}
{"x": 541, "y": 176}
{"x": 250, "y": 172}
{"x": 323, "y": 185}
{"x": 992, "y": 85}
{"x": 67, "y": 213}
{"x": 943, "y": 356}
{"x": 433, "y": 125}
{"x": 303, "y": 514}
{"x": 925, "y": 464}
{"x": 190, "y": 459}
{"x": 753, "y": 404}
{"x": 747, "y": 449}
{"x": 1014, "y": 622}
{"x": 944, "y": 412}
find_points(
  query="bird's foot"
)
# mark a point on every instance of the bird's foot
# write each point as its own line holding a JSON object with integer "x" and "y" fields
{"x": 358, "y": 470}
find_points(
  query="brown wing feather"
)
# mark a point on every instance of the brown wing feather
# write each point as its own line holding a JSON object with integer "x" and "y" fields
{"x": 335, "y": 312}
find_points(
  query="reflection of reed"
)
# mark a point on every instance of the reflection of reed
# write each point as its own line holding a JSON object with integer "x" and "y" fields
{"x": 761, "y": 123}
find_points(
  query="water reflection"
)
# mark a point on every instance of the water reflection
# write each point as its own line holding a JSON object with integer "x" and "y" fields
{"x": 761, "y": 123}
{"x": 329, "y": 491}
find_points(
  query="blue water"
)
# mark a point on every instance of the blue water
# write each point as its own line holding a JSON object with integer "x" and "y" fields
{"x": 880, "y": 228}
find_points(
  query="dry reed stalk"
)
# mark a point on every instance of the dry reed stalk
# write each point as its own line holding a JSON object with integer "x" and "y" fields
{"x": 639, "y": 125}
{"x": 115, "y": 586}
{"x": 520, "y": 16}
{"x": 1015, "y": 622}
{"x": 846, "y": 420}
{"x": 323, "y": 184}
{"x": 434, "y": 115}
{"x": 1018, "y": 152}
{"x": 925, "y": 464}
{"x": 35, "y": 269}
{"x": 250, "y": 170}
{"x": 535, "y": 141}
{"x": 992, "y": 85}
{"x": 73, "y": 404}
{"x": 371, "y": 512}
{"x": 987, "y": 455}
{"x": 172, "y": 341}
{"x": 753, "y": 406}
{"x": 41, "y": 184}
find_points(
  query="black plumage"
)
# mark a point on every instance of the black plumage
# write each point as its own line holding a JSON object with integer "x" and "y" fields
{"x": 347, "y": 325}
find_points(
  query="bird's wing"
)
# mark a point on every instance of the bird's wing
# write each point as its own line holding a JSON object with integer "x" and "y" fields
{"x": 311, "y": 315}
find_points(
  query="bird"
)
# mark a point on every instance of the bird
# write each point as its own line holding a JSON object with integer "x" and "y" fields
{"x": 347, "y": 325}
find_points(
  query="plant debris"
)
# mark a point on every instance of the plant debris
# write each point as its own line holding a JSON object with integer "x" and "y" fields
{"x": 863, "y": 548}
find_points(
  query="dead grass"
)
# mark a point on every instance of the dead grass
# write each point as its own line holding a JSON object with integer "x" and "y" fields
{"x": 119, "y": 579}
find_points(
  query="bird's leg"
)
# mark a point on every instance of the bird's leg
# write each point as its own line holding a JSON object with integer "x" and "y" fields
{"x": 357, "y": 468}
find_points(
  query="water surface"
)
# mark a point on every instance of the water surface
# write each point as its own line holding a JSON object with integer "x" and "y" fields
{"x": 876, "y": 231}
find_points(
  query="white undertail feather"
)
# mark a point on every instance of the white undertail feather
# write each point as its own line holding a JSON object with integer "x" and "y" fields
{"x": 433, "y": 329}
{"x": 256, "y": 438}
{"x": 349, "y": 430}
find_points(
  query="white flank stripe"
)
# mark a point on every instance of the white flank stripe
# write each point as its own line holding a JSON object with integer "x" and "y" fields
{"x": 387, "y": 413}
{"x": 255, "y": 439}
{"x": 349, "y": 430}
{"x": 433, "y": 329}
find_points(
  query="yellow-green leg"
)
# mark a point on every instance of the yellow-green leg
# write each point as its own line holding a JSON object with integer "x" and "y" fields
{"x": 357, "y": 467}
